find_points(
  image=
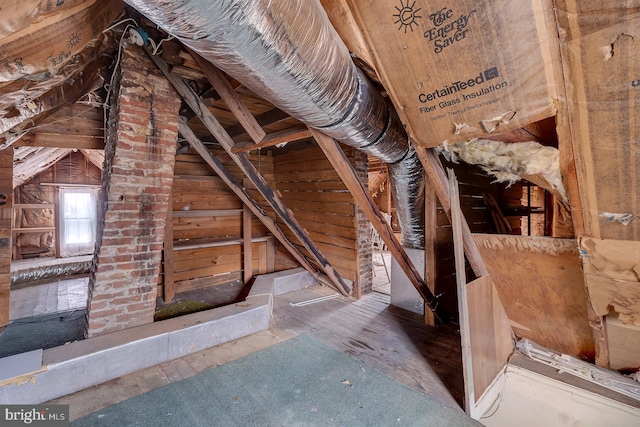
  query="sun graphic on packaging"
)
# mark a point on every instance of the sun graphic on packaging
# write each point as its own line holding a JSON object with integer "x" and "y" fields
{"x": 406, "y": 16}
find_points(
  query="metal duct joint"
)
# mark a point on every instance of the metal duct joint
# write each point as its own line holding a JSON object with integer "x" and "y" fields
{"x": 287, "y": 52}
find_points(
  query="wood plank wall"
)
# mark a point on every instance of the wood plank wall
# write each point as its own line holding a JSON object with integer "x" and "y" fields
{"x": 207, "y": 226}
{"x": 312, "y": 189}
{"x": 72, "y": 169}
{"x": 6, "y": 202}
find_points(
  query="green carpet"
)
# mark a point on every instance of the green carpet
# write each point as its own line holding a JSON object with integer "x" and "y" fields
{"x": 300, "y": 382}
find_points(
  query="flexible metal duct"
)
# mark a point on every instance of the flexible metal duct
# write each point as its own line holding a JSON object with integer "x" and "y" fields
{"x": 287, "y": 52}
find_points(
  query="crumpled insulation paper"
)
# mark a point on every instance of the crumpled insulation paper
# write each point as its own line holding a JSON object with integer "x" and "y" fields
{"x": 509, "y": 162}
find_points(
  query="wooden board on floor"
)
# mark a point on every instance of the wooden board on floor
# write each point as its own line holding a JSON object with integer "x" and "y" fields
{"x": 541, "y": 285}
{"x": 394, "y": 341}
{"x": 490, "y": 333}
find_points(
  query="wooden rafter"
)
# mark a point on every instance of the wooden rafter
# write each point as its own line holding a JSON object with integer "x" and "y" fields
{"x": 292, "y": 134}
{"x": 267, "y": 118}
{"x": 249, "y": 170}
{"x": 438, "y": 178}
{"x": 81, "y": 83}
{"x": 220, "y": 83}
{"x": 344, "y": 169}
{"x": 242, "y": 194}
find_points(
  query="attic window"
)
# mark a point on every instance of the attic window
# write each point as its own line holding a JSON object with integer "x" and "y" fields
{"x": 77, "y": 221}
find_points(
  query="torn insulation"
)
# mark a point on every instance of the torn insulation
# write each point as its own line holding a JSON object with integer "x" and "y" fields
{"x": 622, "y": 218}
{"x": 510, "y": 162}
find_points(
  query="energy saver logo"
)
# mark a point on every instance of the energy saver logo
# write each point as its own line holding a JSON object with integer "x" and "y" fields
{"x": 448, "y": 28}
{"x": 461, "y": 91}
{"x": 34, "y": 415}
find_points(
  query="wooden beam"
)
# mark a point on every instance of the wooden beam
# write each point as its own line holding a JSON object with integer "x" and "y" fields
{"x": 247, "y": 265}
{"x": 82, "y": 82}
{"x": 295, "y": 133}
{"x": 57, "y": 140}
{"x": 430, "y": 228}
{"x": 344, "y": 169}
{"x": 207, "y": 213}
{"x": 249, "y": 170}
{"x": 220, "y": 83}
{"x": 239, "y": 191}
{"x": 457, "y": 221}
{"x": 437, "y": 176}
{"x": 169, "y": 290}
{"x": 6, "y": 215}
{"x": 265, "y": 119}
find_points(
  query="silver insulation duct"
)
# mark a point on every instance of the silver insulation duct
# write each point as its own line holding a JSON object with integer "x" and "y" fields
{"x": 287, "y": 52}
{"x": 49, "y": 271}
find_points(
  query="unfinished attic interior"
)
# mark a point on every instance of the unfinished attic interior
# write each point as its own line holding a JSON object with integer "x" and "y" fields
{"x": 321, "y": 212}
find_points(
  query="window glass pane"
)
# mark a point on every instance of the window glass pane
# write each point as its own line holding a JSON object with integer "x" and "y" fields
{"x": 78, "y": 221}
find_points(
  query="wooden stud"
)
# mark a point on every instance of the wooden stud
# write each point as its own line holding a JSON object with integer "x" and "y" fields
{"x": 247, "y": 265}
{"x": 344, "y": 169}
{"x": 430, "y": 226}
{"x": 461, "y": 285}
{"x": 271, "y": 255}
{"x": 249, "y": 170}
{"x": 6, "y": 219}
{"x": 169, "y": 282}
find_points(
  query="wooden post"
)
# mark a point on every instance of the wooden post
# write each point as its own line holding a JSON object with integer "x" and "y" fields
{"x": 430, "y": 228}
{"x": 249, "y": 170}
{"x": 461, "y": 285}
{"x": 6, "y": 216}
{"x": 247, "y": 265}
{"x": 436, "y": 174}
{"x": 169, "y": 283}
{"x": 344, "y": 169}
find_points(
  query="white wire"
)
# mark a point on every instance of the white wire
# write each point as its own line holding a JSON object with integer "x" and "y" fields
{"x": 156, "y": 48}
{"x": 120, "y": 22}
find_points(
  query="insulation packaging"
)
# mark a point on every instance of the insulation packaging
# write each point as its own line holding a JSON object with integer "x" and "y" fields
{"x": 601, "y": 60}
{"x": 288, "y": 53}
{"x": 27, "y": 55}
{"x": 457, "y": 70}
{"x": 17, "y": 14}
{"x": 612, "y": 275}
{"x": 39, "y": 73}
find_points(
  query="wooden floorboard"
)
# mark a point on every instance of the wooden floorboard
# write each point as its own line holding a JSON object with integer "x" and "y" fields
{"x": 394, "y": 341}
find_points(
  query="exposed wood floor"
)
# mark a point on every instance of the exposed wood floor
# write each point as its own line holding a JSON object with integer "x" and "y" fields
{"x": 394, "y": 341}
{"x": 390, "y": 340}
